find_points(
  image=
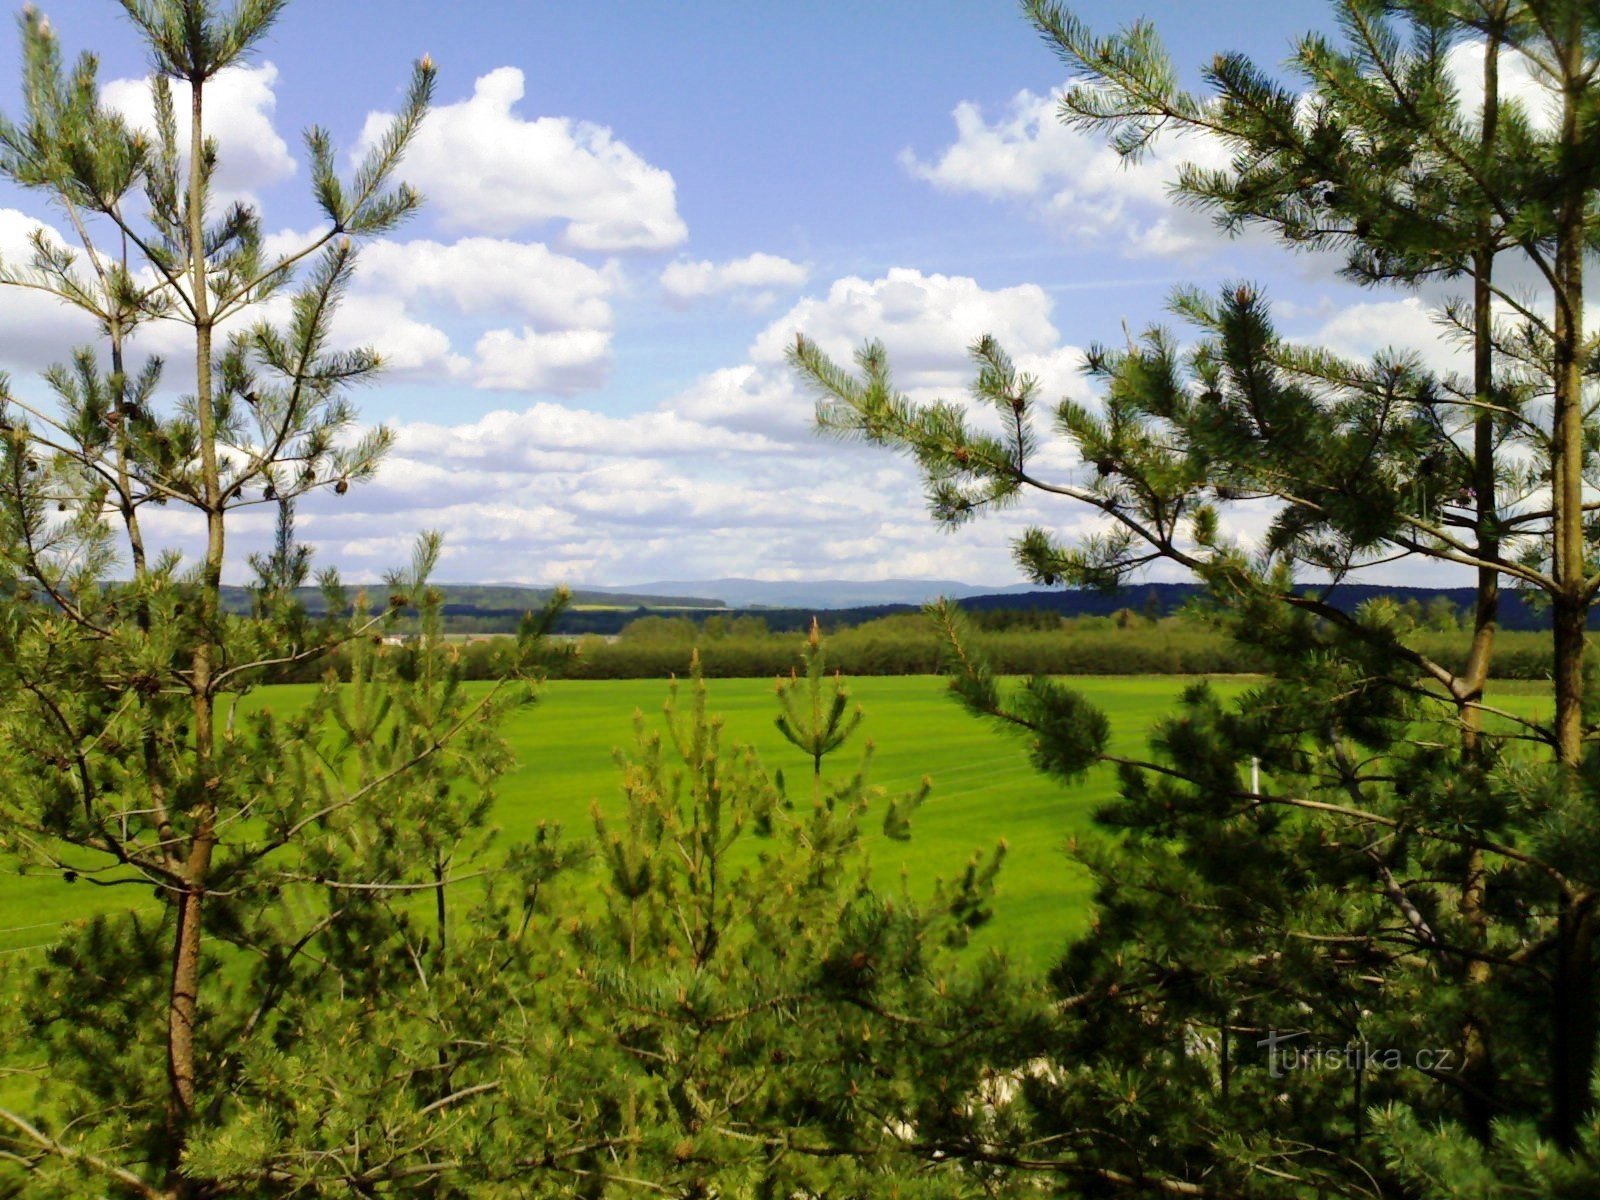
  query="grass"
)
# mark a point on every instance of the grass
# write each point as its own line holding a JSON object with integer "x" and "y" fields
{"x": 983, "y": 786}
{"x": 983, "y": 791}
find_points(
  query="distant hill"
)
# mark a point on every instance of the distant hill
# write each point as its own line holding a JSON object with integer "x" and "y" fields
{"x": 1164, "y": 598}
{"x": 1515, "y": 612}
{"x": 486, "y": 608}
{"x": 496, "y": 599}
{"x": 819, "y": 593}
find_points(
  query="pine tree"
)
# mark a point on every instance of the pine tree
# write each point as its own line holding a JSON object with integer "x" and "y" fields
{"x": 811, "y": 721}
{"x": 755, "y": 1017}
{"x": 283, "y": 1020}
{"x": 1409, "y": 874}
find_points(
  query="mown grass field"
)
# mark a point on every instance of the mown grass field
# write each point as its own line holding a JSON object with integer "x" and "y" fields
{"x": 984, "y": 790}
{"x": 983, "y": 787}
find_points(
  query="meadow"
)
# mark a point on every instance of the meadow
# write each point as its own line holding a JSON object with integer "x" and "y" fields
{"x": 984, "y": 790}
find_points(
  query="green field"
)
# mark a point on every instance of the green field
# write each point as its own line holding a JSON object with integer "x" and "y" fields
{"x": 984, "y": 790}
{"x": 983, "y": 787}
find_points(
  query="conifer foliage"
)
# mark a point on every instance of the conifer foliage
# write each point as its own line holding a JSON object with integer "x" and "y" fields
{"x": 810, "y": 719}
{"x": 1416, "y": 871}
{"x": 329, "y": 979}
{"x": 290, "y": 873}
{"x": 757, "y": 1017}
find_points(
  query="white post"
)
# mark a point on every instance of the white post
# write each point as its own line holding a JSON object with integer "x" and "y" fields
{"x": 1255, "y": 775}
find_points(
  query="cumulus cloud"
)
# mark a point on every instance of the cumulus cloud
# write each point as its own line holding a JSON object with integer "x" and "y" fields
{"x": 726, "y": 477}
{"x": 1407, "y": 325}
{"x": 564, "y": 345}
{"x": 408, "y": 346}
{"x": 402, "y": 289}
{"x": 492, "y": 275}
{"x": 747, "y": 398}
{"x": 39, "y": 329}
{"x": 563, "y": 361}
{"x": 1071, "y": 180}
{"x": 621, "y": 517}
{"x": 1521, "y": 83}
{"x": 687, "y": 281}
{"x": 251, "y": 155}
{"x": 511, "y": 440}
{"x": 488, "y": 169}
{"x": 927, "y": 321}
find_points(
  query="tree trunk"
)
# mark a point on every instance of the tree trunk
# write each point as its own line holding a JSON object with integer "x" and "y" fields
{"x": 1573, "y": 1015}
{"x": 184, "y": 996}
{"x": 1566, "y": 452}
{"x": 1573, "y": 1006}
{"x": 181, "y": 1010}
{"x": 1477, "y": 1064}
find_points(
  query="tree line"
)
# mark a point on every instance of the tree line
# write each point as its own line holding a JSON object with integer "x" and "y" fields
{"x": 1017, "y": 644}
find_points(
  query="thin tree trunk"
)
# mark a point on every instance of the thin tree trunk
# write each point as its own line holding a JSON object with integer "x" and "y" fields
{"x": 1477, "y": 1068}
{"x": 1573, "y": 1000}
{"x": 1573, "y": 1043}
{"x": 184, "y": 999}
{"x": 1573, "y": 1047}
{"x": 1570, "y": 563}
{"x": 1477, "y": 1064}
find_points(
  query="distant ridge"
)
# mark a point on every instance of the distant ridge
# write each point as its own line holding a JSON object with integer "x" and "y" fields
{"x": 496, "y": 597}
{"x": 1515, "y": 612}
{"x": 820, "y": 593}
{"x": 842, "y": 603}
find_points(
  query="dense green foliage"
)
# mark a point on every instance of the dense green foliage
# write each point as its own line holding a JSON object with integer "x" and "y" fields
{"x": 1404, "y": 875}
{"x": 340, "y": 987}
{"x": 714, "y": 983}
{"x": 1022, "y": 644}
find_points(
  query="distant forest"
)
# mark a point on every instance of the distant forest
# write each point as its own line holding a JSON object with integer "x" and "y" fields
{"x": 472, "y": 608}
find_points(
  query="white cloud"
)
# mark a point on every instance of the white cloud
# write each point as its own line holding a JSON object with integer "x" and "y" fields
{"x": 726, "y": 477}
{"x": 510, "y": 440}
{"x": 39, "y": 329}
{"x": 408, "y": 346}
{"x": 562, "y": 347}
{"x": 927, "y": 323}
{"x": 42, "y": 330}
{"x": 563, "y": 361}
{"x": 251, "y": 156}
{"x": 1521, "y": 83}
{"x": 1409, "y": 325}
{"x": 1075, "y": 184}
{"x": 685, "y": 281}
{"x": 1071, "y": 180}
{"x": 488, "y": 169}
{"x": 402, "y": 288}
{"x": 761, "y": 400}
{"x": 623, "y": 516}
{"x": 491, "y": 275}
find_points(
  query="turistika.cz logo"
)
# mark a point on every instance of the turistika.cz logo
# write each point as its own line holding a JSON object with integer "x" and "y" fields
{"x": 1286, "y": 1053}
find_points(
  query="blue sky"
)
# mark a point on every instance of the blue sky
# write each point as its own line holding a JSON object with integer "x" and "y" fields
{"x": 633, "y": 206}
